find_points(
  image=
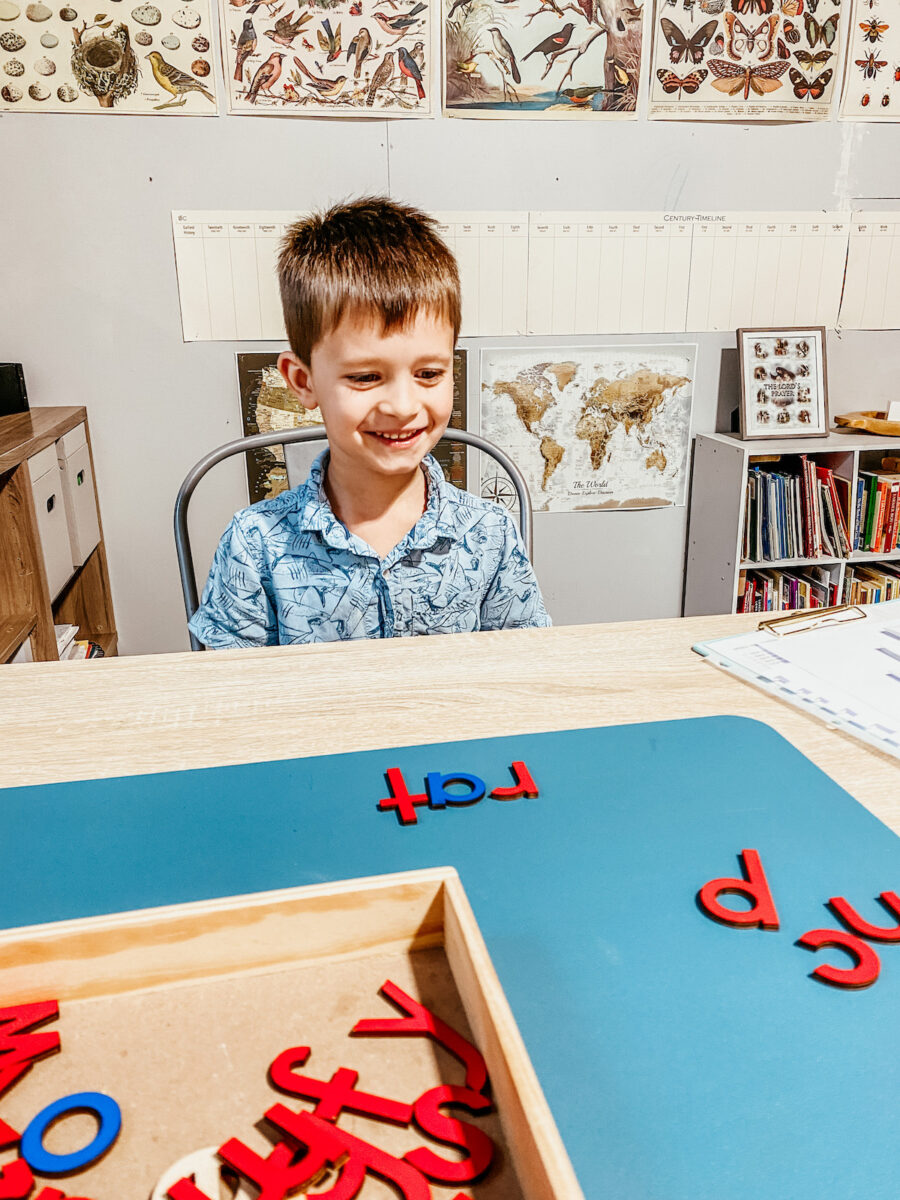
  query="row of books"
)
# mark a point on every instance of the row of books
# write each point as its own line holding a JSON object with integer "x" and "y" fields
{"x": 798, "y": 512}
{"x": 782, "y": 591}
{"x": 69, "y": 646}
{"x": 870, "y": 584}
{"x": 877, "y": 511}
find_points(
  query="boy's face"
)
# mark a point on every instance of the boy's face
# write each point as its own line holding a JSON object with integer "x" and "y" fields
{"x": 385, "y": 398}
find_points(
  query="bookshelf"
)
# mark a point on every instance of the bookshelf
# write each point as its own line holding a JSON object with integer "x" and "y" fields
{"x": 42, "y": 581}
{"x": 716, "y": 518}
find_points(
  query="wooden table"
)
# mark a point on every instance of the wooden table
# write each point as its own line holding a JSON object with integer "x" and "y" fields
{"x": 127, "y": 716}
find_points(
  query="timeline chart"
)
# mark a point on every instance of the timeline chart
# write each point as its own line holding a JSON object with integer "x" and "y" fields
{"x": 227, "y": 281}
{"x": 492, "y": 252}
{"x": 872, "y": 287}
{"x": 767, "y": 269}
{"x": 608, "y": 272}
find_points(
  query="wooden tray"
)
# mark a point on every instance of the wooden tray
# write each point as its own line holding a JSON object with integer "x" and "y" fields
{"x": 140, "y": 993}
{"x": 868, "y": 422}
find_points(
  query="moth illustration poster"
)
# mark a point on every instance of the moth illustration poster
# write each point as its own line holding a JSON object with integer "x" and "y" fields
{"x": 542, "y": 58}
{"x": 331, "y": 58}
{"x": 153, "y": 58}
{"x": 607, "y": 427}
{"x": 745, "y": 60}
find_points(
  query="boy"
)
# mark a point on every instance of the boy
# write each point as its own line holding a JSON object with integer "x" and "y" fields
{"x": 374, "y": 543}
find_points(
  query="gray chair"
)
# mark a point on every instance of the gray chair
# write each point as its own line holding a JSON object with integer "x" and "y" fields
{"x": 296, "y": 473}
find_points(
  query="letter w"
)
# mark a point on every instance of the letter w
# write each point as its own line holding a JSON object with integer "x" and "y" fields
{"x": 18, "y": 1049}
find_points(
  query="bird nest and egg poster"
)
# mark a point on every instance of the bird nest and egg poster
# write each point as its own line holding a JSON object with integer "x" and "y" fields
{"x": 109, "y": 58}
{"x": 542, "y": 58}
{"x": 330, "y": 58}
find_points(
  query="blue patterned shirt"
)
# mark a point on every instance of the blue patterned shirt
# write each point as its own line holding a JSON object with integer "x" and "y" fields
{"x": 287, "y": 570}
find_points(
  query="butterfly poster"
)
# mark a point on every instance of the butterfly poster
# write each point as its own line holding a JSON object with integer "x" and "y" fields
{"x": 329, "y": 58}
{"x": 745, "y": 60}
{"x": 872, "y": 64}
{"x": 559, "y": 59}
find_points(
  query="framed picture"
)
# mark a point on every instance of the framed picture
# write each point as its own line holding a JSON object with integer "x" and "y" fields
{"x": 784, "y": 392}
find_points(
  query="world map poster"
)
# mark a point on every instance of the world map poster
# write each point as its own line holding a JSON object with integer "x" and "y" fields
{"x": 607, "y": 427}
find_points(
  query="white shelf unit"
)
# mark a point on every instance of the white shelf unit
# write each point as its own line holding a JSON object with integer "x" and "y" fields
{"x": 716, "y": 520}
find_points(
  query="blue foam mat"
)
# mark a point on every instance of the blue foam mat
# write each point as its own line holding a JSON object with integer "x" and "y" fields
{"x": 682, "y": 1059}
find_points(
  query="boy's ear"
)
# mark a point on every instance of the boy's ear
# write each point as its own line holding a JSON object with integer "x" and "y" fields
{"x": 296, "y": 375}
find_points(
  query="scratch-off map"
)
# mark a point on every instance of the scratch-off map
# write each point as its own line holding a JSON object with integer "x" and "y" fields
{"x": 601, "y": 428}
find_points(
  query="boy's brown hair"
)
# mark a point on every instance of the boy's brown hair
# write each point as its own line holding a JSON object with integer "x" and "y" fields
{"x": 371, "y": 256}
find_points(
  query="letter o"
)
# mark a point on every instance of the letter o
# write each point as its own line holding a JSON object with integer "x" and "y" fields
{"x": 104, "y": 1108}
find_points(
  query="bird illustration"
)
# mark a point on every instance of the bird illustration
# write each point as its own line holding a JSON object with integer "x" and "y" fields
{"x": 457, "y": 4}
{"x": 382, "y": 77}
{"x": 246, "y": 44}
{"x": 397, "y": 26}
{"x": 327, "y": 89}
{"x": 328, "y": 41}
{"x": 581, "y": 97}
{"x": 356, "y": 9}
{"x": 266, "y": 77}
{"x": 410, "y": 68}
{"x": 468, "y": 66}
{"x": 360, "y": 46}
{"x": 504, "y": 52}
{"x": 287, "y": 29}
{"x": 418, "y": 55}
{"x": 556, "y": 41}
{"x": 290, "y": 92}
{"x": 307, "y": 44}
{"x": 177, "y": 83}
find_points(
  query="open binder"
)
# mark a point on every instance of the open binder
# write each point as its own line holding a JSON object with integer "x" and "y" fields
{"x": 840, "y": 664}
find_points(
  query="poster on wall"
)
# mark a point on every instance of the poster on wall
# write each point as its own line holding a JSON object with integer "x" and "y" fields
{"x": 542, "y": 58}
{"x": 600, "y": 428}
{"x": 269, "y": 406}
{"x": 152, "y": 59}
{"x": 872, "y": 65}
{"x": 745, "y": 60}
{"x": 331, "y": 58}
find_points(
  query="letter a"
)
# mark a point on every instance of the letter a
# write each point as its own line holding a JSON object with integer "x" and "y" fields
{"x": 754, "y": 886}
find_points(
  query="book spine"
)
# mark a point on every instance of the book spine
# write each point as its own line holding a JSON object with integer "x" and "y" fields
{"x": 884, "y": 489}
{"x": 871, "y": 509}
{"x": 857, "y": 520}
{"x": 840, "y": 528}
{"x": 894, "y": 518}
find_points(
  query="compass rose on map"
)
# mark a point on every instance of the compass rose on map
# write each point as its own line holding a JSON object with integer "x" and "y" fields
{"x": 499, "y": 489}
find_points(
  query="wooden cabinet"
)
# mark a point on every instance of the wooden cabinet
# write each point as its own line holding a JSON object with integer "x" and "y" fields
{"x": 32, "y": 599}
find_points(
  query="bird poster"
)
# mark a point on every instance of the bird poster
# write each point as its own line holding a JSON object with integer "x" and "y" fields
{"x": 153, "y": 59}
{"x": 745, "y": 60}
{"x": 872, "y": 65}
{"x": 542, "y": 58}
{"x": 329, "y": 58}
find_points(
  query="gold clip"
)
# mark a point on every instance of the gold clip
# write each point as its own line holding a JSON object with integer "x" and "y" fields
{"x": 815, "y": 618}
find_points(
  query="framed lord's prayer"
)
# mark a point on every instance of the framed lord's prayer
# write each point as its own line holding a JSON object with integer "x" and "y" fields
{"x": 784, "y": 391}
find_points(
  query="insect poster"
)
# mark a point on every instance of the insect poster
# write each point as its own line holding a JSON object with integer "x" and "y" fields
{"x": 745, "y": 60}
{"x": 329, "y": 58}
{"x": 147, "y": 58}
{"x": 542, "y": 58}
{"x": 872, "y": 66}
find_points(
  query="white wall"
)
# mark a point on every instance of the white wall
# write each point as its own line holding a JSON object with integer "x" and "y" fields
{"x": 89, "y": 298}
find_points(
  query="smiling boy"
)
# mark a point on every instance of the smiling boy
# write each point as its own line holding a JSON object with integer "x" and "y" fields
{"x": 375, "y": 543}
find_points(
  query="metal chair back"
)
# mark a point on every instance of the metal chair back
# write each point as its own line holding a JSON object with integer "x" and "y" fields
{"x": 289, "y": 437}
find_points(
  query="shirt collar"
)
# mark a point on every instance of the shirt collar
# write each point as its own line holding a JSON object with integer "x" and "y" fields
{"x": 317, "y": 515}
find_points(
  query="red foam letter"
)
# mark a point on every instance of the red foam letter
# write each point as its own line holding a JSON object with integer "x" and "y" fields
{"x": 20, "y": 1050}
{"x": 867, "y": 965}
{"x": 361, "y": 1158}
{"x": 280, "y": 1174}
{"x": 524, "y": 785}
{"x": 423, "y": 1022}
{"x": 16, "y": 1180}
{"x": 400, "y": 798}
{"x": 754, "y": 886}
{"x": 335, "y": 1095}
{"x": 854, "y": 921}
{"x": 478, "y": 1145}
{"x": 186, "y": 1189}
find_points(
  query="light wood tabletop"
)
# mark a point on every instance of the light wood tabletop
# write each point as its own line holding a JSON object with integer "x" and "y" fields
{"x": 131, "y": 715}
